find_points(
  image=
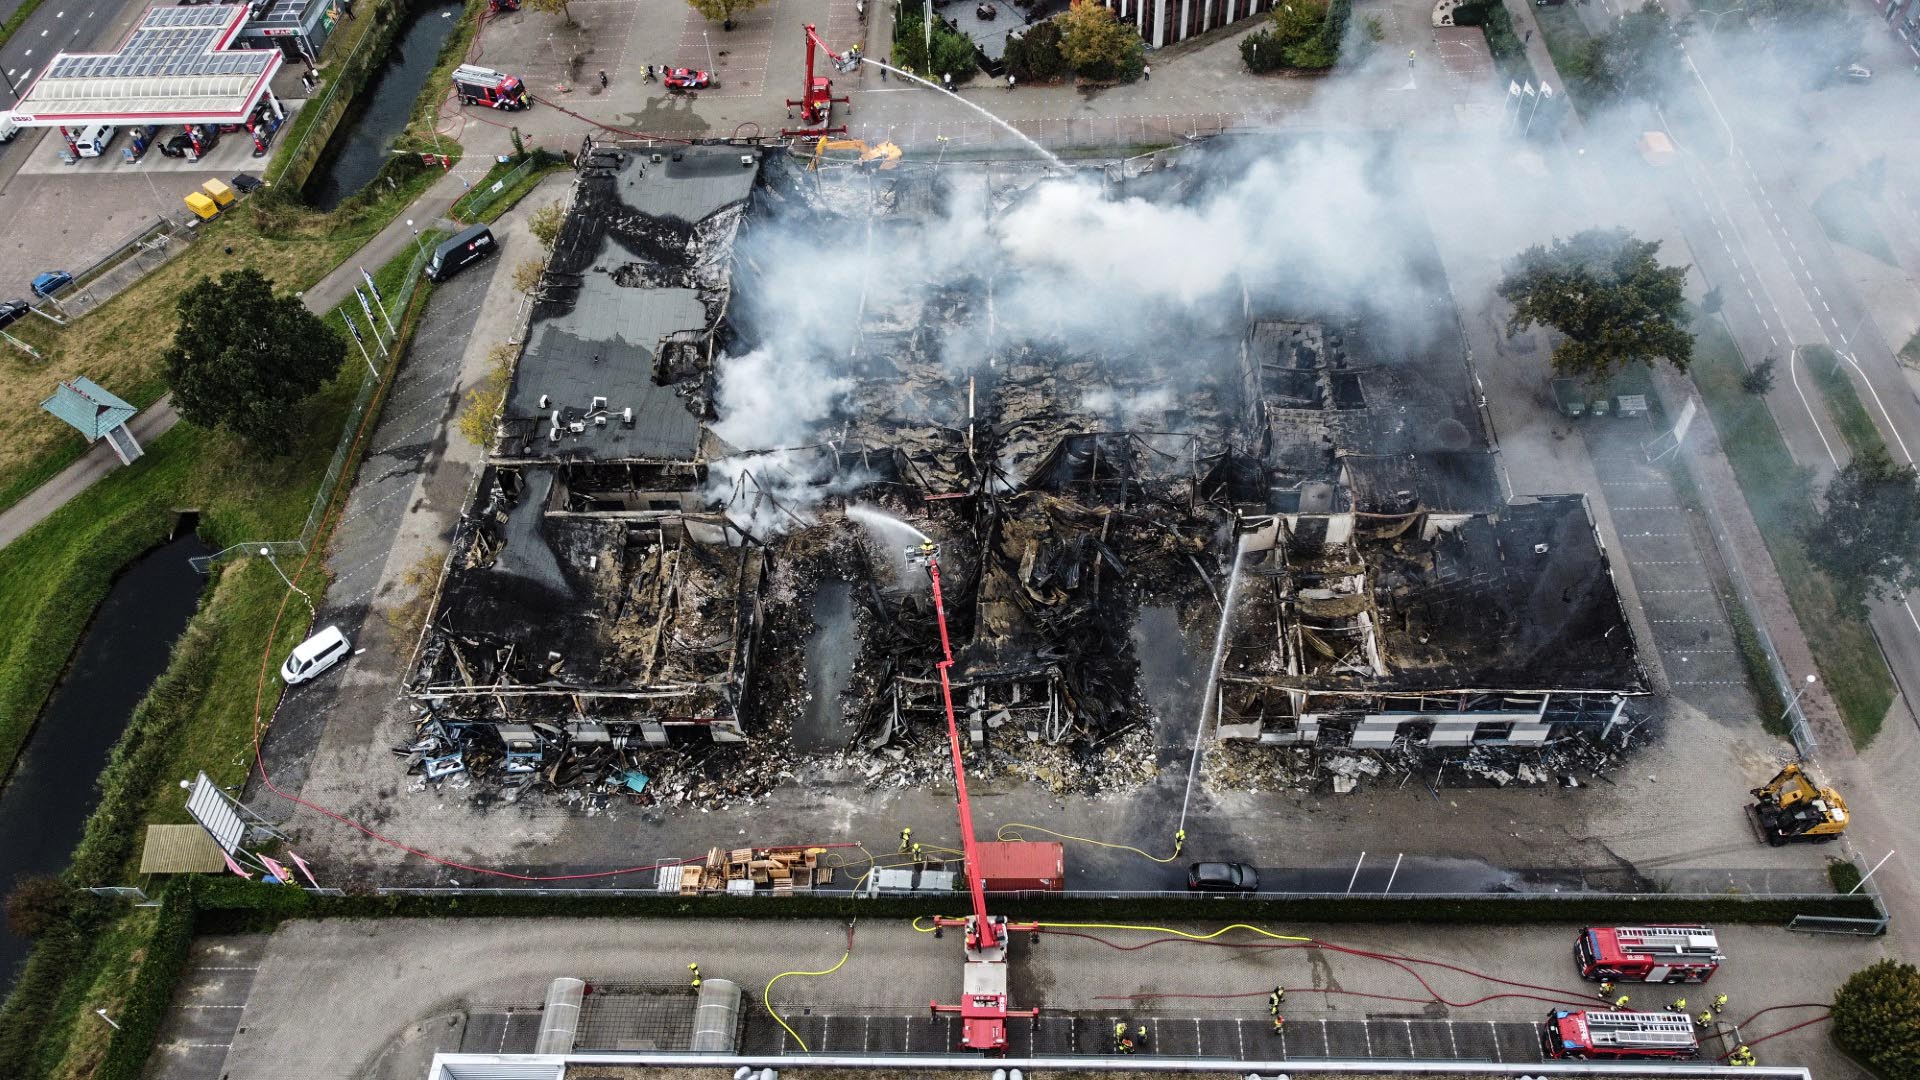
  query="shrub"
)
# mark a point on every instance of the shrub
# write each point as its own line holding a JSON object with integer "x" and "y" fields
{"x": 1876, "y": 1017}
{"x": 1098, "y": 45}
{"x": 1034, "y": 56}
{"x": 37, "y": 904}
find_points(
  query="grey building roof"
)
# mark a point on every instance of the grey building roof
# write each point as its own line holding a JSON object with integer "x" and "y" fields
{"x": 89, "y": 407}
{"x": 622, "y": 282}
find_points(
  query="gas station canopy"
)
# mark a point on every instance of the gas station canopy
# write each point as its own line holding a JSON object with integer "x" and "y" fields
{"x": 174, "y": 69}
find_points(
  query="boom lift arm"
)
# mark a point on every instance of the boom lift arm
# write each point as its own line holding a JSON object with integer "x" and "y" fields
{"x": 983, "y": 1005}
{"x": 816, "y": 100}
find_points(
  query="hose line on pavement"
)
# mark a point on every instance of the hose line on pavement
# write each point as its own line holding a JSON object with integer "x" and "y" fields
{"x": 1015, "y": 831}
{"x": 766, "y": 995}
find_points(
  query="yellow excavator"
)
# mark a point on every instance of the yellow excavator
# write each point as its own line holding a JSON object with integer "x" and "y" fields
{"x": 886, "y": 153}
{"x": 1791, "y": 809}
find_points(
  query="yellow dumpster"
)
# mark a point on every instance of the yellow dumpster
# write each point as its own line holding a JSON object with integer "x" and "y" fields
{"x": 202, "y": 206}
{"x": 220, "y": 193}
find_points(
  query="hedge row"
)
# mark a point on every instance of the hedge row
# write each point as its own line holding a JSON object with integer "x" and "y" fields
{"x": 152, "y": 991}
{"x": 232, "y": 905}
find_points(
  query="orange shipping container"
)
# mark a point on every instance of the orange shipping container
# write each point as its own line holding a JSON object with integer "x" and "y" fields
{"x": 1022, "y": 866}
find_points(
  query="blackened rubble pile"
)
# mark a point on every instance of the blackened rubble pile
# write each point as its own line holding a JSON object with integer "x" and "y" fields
{"x": 725, "y": 360}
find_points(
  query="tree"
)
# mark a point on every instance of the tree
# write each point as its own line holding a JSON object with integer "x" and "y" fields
{"x": 1759, "y": 380}
{"x": 1033, "y": 56}
{"x": 243, "y": 358}
{"x": 1302, "y": 35}
{"x": 526, "y": 276}
{"x": 1868, "y": 537}
{"x": 552, "y": 7}
{"x": 545, "y": 224}
{"x": 723, "y": 11}
{"x": 1098, "y": 45}
{"x": 1637, "y": 57}
{"x": 1712, "y": 301}
{"x": 480, "y": 412}
{"x": 1816, "y": 38}
{"x": 1604, "y": 291}
{"x": 1876, "y": 1017}
{"x": 953, "y": 52}
{"x": 37, "y": 903}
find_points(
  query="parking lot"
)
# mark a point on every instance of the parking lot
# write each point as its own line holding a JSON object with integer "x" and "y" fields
{"x": 208, "y": 1004}
{"x": 476, "y": 985}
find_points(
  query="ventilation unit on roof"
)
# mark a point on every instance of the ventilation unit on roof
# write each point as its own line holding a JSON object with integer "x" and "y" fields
{"x": 599, "y": 403}
{"x": 544, "y": 401}
{"x": 626, "y": 416}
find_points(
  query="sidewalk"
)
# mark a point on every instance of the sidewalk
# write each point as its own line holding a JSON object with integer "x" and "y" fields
{"x": 157, "y": 419}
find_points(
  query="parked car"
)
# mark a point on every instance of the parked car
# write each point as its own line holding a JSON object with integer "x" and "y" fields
{"x": 51, "y": 282}
{"x": 11, "y": 311}
{"x": 1222, "y": 877}
{"x": 315, "y": 655}
{"x": 1860, "y": 72}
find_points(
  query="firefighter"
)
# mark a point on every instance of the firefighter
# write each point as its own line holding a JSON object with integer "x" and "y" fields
{"x": 1279, "y": 1024}
{"x": 1705, "y": 1019}
{"x": 1743, "y": 1056}
{"x": 1720, "y": 1003}
{"x": 1606, "y": 989}
{"x": 919, "y": 854}
{"x": 603, "y": 80}
{"x": 1274, "y": 999}
{"x": 695, "y": 969}
{"x": 1620, "y": 1002}
{"x": 1179, "y": 841}
{"x": 906, "y": 839}
{"x": 1679, "y": 1005}
{"x": 1140, "y": 1035}
{"x": 1121, "y": 1044}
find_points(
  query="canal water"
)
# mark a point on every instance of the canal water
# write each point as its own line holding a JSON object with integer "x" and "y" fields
{"x": 360, "y": 145}
{"x": 45, "y": 806}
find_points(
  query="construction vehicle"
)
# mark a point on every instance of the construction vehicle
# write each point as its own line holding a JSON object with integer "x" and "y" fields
{"x": 1618, "y": 1035}
{"x": 887, "y": 154}
{"x": 983, "y": 1007}
{"x": 1791, "y": 809}
{"x": 816, "y": 99}
{"x": 1651, "y": 954}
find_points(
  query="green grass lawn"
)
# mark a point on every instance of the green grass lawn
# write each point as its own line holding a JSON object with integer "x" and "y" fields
{"x": 1849, "y": 413}
{"x": 1779, "y": 493}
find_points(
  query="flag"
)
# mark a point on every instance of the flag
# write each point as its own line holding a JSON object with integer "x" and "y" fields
{"x": 371, "y": 287}
{"x": 1546, "y": 91}
{"x": 353, "y": 327}
{"x": 366, "y": 309}
{"x": 1528, "y": 89}
{"x": 235, "y": 867}
{"x": 277, "y": 870}
{"x": 302, "y": 864}
{"x": 1513, "y": 89}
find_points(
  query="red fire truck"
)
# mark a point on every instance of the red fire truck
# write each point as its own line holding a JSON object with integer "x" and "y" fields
{"x": 484, "y": 86}
{"x": 1655, "y": 954}
{"x": 1610, "y": 1036}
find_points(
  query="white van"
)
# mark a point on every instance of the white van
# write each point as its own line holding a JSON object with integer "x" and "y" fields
{"x": 93, "y": 142}
{"x": 315, "y": 655}
{"x": 8, "y": 129}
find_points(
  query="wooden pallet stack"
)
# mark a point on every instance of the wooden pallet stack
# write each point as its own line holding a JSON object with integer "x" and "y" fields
{"x": 781, "y": 871}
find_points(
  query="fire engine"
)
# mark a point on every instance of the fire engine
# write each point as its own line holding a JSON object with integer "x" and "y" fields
{"x": 484, "y": 86}
{"x": 1618, "y": 1035}
{"x": 1655, "y": 954}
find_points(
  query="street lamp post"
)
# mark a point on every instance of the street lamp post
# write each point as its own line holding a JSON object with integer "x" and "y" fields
{"x": 416, "y": 239}
{"x": 709, "y": 41}
{"x": 1808, "y": 685}
{"x": 267, "y": 554}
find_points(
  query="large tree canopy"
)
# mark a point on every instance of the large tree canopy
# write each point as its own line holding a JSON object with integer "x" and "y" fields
{"x": 243, "y": 359}
{"x": 1868, "y": 538}
{"x": 1603, "y": 290}
{"x": 723, "y": 11}
{"x": 1876, "y": 1017}
{"x": 1098, "y": 45}
{"x": 1638, "y": 57}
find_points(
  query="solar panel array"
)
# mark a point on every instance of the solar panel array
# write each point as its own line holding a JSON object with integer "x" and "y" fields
{"x": 171, "y": 41}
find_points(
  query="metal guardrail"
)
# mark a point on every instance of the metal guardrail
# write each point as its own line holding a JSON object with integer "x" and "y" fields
{"x": 1141, "y": 894}
{"x": 1835, "y": 924}
{"x": 478, "y": 201}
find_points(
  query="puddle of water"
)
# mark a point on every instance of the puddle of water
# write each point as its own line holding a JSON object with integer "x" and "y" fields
{"x": 44, "y": 808}
{"x": 830, "y": 654}
{"x": 359, "y": 147}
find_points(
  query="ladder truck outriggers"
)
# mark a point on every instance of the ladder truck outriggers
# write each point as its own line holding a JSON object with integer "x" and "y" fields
{"x": 984, "y": 1008}
{"x": 816, "y": 99}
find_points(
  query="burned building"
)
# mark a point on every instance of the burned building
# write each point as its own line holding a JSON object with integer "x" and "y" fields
{"x": 590, "y": 602}
{"x": 748, "y": 377}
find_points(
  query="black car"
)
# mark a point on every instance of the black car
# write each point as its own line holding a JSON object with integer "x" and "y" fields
{"x": 11, "y": 311}
{"x": 1222, "y": 877}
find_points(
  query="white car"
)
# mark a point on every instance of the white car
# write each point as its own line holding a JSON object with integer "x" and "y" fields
{"x": 315, "y": 655}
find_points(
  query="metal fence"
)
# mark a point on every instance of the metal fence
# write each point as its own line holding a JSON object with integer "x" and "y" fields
{"x": 473, "y": 204}
{"x": 145, "y": 250}
{"x": 205, "y": 563}
{"x": 369, "y": 384}
{"x": 1198, "y": 900}
{"x": 1834, "y": 924}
